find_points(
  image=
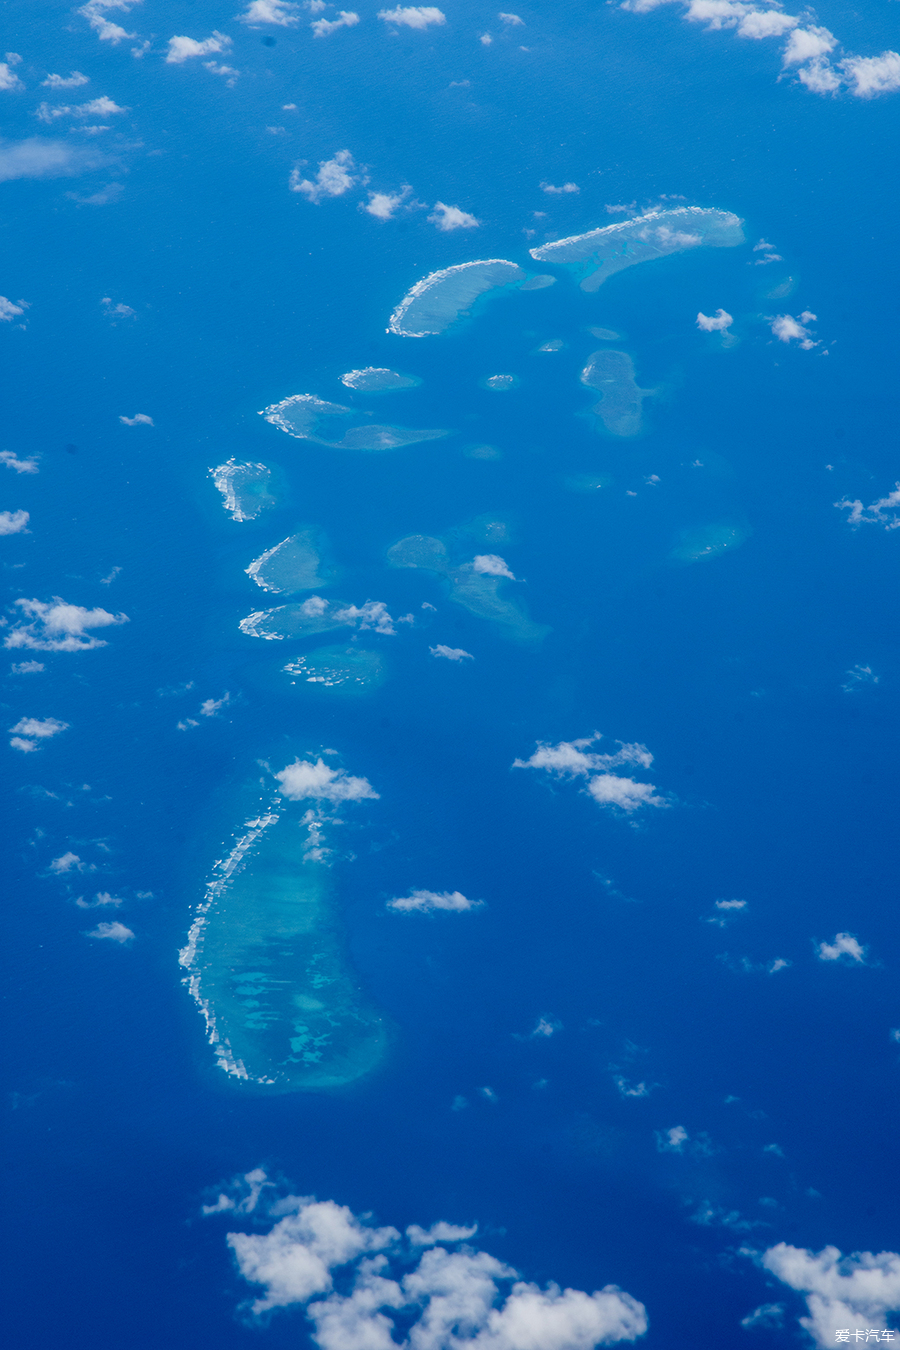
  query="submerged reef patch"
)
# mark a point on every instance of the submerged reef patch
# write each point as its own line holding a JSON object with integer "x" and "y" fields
{"x": 351, "y": 669}
{"x": 306, "y": 618}
{"x": 292, "y": 565}
{"x": 439, "y": 299}
{"x": 245, "y": 488}
{"x": 378, "y": 379}
{"x": 709, "y": 541}
{"x": 265, "y": 962}
{"x": 599, "y": 253}
{"x": 612, "y": 375}
{"x": 304, "y": 415}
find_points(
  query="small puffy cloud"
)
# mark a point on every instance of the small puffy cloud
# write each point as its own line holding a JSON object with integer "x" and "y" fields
{"x": 277, "y": 12}
{"x": 115, "y": 312}
{"x": 439, "y": 1232}
{"x": 876, "y": 513}
{"x": 9, "y": 310}
{"x": 454, "y": 1298}
{"x": 102, "y": 900}
{"x": 73, "y": 81}
{"x": 9, "y": 80}
{"x": 808, "y": 44}
{"x": 820, "y": 77}
{"x": 384, "y": 205}
{"x": 608, "y": 789}
{"x": 107, "y": 31}
{"x": 112, "y": 932}
{"x": 304, "y": 780}
{"x": 869, "y": 76}
{"x": 66, "y": 862}
{"x": 58, "y": 626}
{"x": 766, "y": 23}
{"x": 857, "y": 676}
{"x": 26, "y": 667}
{"x": 573, "y": 759}
{"x": 452, "y": 218}
{"x": 324, "y": 27}
{"x": 788, "y": 329}
{"x": 672, "y": 1141}
{"x": 335, "y": 177}
{"x": 413, "y": 16}
{"x": 14, "y": 522}
{"x": 545, "y": 1027}
{"x": 18, "y": 465}
{"x": 38, "y": 157}
{"x": 559, "y": 191}
{"x": 844, "y": 945}
{"x": 29, "y": 730}
{"x": 491, "y": 565}
{"x": 139, "y": 420}
{"x": 426, "y": 901}
{"x": 840, "y": 1292}
{"x": 451, "y": 653}
{"x": 95, "y": 107}
{"x": 183, "y": 49}
{"x": 629, "y": 1089}
{"x": 211, "y": 707}
{"x": 111, "y": 193}
{"x": 766, "y": 1315}
{"x": 716, "y": 323}
{"x": 512, "y": 20}
{"x": 725, "y": 911}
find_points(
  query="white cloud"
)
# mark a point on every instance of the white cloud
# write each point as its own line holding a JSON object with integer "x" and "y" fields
{"x": 113, "y": 932}
{"x": 559, "y": 191}
{"x": 872, "y": 75}
{"x": 29, "y": 730}
{"x": 439, "y": 1232}
{"x": 304, "y": 780}
{"x": 335, "y": 177}
{"x": 455, "y": 1297}
{"x": 512, "y": 20}
{"x": 59, "y": 627}
{"x": 384, "y": 205}
{"x": 451, "y": 653}
{"x": 9, "y": 80}
{"x": 107, "y": 31}
{"x": 857, "y": 676}
{"x": 819, "y": 77}
{"x": 628, "y": 1089}
{"x": 425, "y": 901}
{"x": 716, "y": 323}
{"x": 452, "y": 218}
{"x": 413, "y": 16}
{"x": 10, "y": 311}
{"x": 19, "y": 465}
{"x": 26, "y": 667}
{"x": 37, "y": 157}
{"x": 67, "y": 862}
{"x": 117, "y": 311}
{"x": 808, "y": 44}
{"x": 545, "y": 1027}
{"x": 324, "y": 27}
{"x": 491, "y": 565}
{"x": 111, "y": 193}
{"x": 73, "y": 81}
{"x": 672, "y": 1141}
{"x": 14, "y": 522}
{"x": 211, "y": 706}
{"x": 183, "y": 49}
{"x": 278, "y": 12}
{"x": 876, "y": 513}
{"x": 102, "y": 900}
{"x": 766, "y": 1315}
{"x": 840, "y": 1292}
{"x": 485, "y": 39}
{"x": 765, "y": 23}
{"x": 139, "y": 420}
{"x": 96, "y": 107}
{"x": 844, "y": 945}
{"x": 571, "y": 759}
{"x": 788, "y": 329}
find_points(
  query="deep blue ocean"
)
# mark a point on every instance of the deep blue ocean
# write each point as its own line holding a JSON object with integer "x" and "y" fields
{"x": 763, "y": 677}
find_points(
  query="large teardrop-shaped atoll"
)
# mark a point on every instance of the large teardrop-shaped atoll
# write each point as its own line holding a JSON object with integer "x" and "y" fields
{"x": 265, "y": 958}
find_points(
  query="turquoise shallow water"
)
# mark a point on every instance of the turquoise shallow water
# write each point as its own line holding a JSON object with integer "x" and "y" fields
{"x": 627, "y": 1056}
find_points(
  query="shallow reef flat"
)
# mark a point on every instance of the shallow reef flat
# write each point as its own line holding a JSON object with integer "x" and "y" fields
{"x": 378, "y": 379}
{"x": 708, "y": 541}
{"x": 265, "y": 962}
{"x": 621, "y": 407}
{"x": 439, "y": 299}
{"x": 293, "y": 565}
{"x": 350, "y": 669}
{"x": 244, "y": 487}
{"x": 304, "y": 416}
{"x": 477, "y": 591}
{"x": 600, "y": 253}
{"x": 306, "y": 618}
